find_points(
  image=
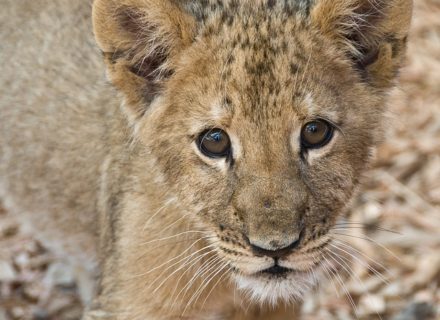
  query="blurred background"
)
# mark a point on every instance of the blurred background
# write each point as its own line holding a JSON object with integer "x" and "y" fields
{"x": 394, "y": 231}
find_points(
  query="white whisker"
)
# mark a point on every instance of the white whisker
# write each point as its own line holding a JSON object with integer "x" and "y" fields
{"x": 174, "y": 236}
{"x": 205, "y": 284}
{"x": 180, "y": 268}
{"x": 366, "y": 238}
{"x": 175, "y": 258}
{"x": 167, "y": 203}
{"x": 214, "y": 286}
{"x": 199, "y": 272}
{"x": 364, "y": 264}
{"x": 212, "y": 270}
{"x": 347, "y": 293}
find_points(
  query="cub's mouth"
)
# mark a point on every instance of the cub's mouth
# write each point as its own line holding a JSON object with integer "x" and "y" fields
{"x": 277, "y": 271}
{"x": 281, "y": 276}
{"x": 276, "y": 284}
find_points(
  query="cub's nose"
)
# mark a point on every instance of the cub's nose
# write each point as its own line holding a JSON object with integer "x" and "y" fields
{"x": 276, "y": 251}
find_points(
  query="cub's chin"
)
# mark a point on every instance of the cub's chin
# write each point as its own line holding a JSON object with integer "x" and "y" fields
{"x": 274, "y": 286}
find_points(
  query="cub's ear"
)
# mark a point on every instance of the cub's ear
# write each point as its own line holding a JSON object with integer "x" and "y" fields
{"x": 140, "y": 40}
{"x": 372, "y": 32}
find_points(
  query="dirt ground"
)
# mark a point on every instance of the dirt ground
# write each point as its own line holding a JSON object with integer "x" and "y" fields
{"x": 394, "y": 235}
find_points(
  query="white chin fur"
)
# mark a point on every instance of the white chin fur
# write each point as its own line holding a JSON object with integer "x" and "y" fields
{"x": 263, "y": 290}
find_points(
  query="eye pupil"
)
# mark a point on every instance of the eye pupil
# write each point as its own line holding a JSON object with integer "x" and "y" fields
{"x": 214, "y": 143}
{"x": 316, "y": 134}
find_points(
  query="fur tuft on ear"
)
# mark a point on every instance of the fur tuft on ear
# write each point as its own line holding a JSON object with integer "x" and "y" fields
{"x": 372, "y": 32}
{"x": 140, "y": 40}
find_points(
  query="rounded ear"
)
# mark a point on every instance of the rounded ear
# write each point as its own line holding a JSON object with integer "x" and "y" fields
{"x": 140, "y": 40}
{"x": 372, "y": 32}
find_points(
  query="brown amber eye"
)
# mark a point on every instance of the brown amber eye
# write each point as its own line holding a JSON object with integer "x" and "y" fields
{"x": 316, "y": 134}
{"x": 214, "y": 143}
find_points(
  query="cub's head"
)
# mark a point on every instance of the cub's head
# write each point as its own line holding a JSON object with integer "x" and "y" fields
{"x": 261, "y": 116}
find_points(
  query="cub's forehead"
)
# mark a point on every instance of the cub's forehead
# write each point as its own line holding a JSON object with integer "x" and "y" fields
{"x": 264, "y": 59}
{"x": 262, "y": 73}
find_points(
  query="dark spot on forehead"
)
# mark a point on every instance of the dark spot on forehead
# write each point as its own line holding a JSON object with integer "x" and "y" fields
{"x": 227, "y": 18}
{"x": 259, "y": 68}
{"x": 227, "y": 104}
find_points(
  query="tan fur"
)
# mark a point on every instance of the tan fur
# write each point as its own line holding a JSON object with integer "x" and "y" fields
{"x": 119, "y": 179}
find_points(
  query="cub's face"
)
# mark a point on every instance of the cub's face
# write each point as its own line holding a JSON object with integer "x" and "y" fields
{"x": 264, "y": 137}
{"x": 262, "y": 129}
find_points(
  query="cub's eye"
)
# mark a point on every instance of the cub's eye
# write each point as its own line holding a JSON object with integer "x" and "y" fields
{"x": 214, "y": 143}
{"x": 316, "y": 134}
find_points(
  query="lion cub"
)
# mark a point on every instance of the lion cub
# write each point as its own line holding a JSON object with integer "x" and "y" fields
{"x": 208, "y": 185}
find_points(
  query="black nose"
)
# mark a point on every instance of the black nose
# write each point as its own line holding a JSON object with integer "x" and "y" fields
{"x": 278, "y": 253}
